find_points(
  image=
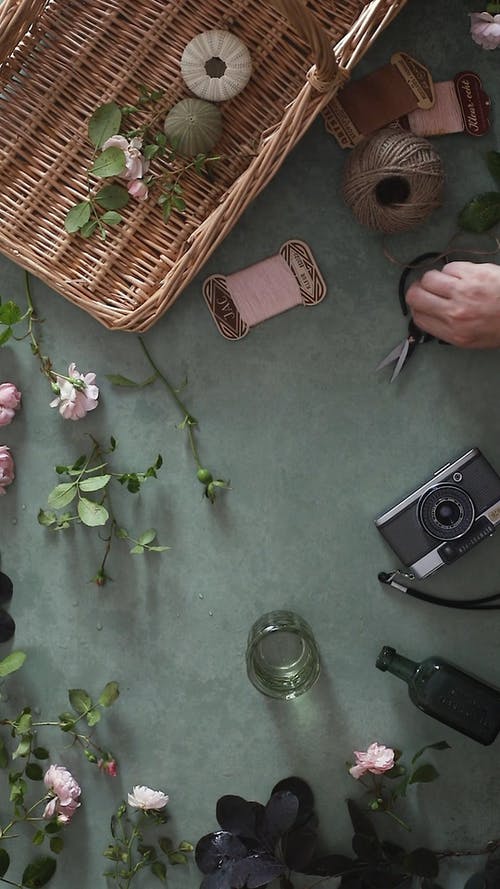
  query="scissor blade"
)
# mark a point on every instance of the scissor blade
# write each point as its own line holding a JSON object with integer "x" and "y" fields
{"x": 393, "y": 355}
{"x": 401, "y": 361}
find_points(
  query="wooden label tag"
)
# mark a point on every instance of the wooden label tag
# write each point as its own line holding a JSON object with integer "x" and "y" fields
{"x": 474, "y": 103}
{"x": 370, "y": 103}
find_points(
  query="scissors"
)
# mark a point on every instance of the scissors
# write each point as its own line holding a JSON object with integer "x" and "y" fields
{"x": 415, "y": 336}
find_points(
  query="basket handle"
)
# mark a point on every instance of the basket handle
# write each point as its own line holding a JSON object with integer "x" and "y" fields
{"x": 307, "y": 25}
{"x": 16, "y": 18}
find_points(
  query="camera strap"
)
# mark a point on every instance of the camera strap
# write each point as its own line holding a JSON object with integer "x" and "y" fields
{"x": 480, "y": 604}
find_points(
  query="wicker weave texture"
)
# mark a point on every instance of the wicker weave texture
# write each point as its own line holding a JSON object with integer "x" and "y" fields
{"x": 77, "y": 54}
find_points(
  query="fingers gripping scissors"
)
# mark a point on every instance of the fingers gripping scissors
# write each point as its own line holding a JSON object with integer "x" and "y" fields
{"x": 415, "y": 336}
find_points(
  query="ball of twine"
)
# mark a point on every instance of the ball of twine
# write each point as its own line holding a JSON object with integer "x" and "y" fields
{"x": 393, "y": 181}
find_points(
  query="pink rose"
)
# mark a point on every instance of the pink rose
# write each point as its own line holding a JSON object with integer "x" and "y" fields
{"x": 485, "y": 29}
{"x": 77, "y": 394}
{"x": 66, "y": 794}
{"x": 10, "y": 400}
{"x": 135, "y": 164}
{"x": 7, "y": 474}
{"x": 377, "y": 760}
{"x": 138, "y": 189}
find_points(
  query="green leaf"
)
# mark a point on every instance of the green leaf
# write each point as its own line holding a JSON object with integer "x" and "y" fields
{"x": 41, "y": 753}
{"x": 439, "y": 745}
{"x": 493, "y": 162}
{"x": 12, "y": 662}
{"x": 34, "y": 771}
{"x": 53, "y": 827}
{"x": 159, "y": 869}
{"x": 110, "y": 163}
{"x": 23, "y": 748}
{"x": 122, "y": 533}
{"x": 62, "y": 495}
{"x": 10, "y": 313}
{"x": 24, "y": 723}
{"x": 39, "y": 872}
{"x": 80, "y": 700}
{"x": 165, "y": 844}
{"x": 422, "y": 862}
{"x": 424, "y": 774}
{"x": 95, "y": 483}
{"x": 109, "y": 694}
{"x": 481, "y": 213}
{"x": 177, "y": 858}
{"x": 38, "y": 838}
{"x": 5, "y": 335}
{"x": 91, "y": 513}
{"x": 46, "y": 518}
{"x": 93, "y": 717}
{"x": 77, "y": 217}
{"x": 147, "y": 537}
{"x": 88, "y": 229}
{"x": 111, "y": 217}
{"x": 4, "y": 862}
{"x": 137, "y": 550}
{"x": 56, "y": 844}
{"x": 179, "y": 204}
{"x": 104, "y": 123}
{"x": 185, "y": 846}
{"x": 112, "y": 197}
{"x": 158, "y": 549}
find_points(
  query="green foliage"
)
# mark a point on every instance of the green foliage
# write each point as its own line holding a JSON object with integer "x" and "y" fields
{"x": 112, "y": 197}
{"x": 39, "y": 872}
{"x": 12, "y": 662}
{"x": 92, "y": 474}
{"x": 483, "y": 211}
{"x": 77, "y": 217}
{"x": 10, "y": 315}
{"x": 131, "y": 852}
{"x": 110, "y": 163}
{"x": 104, "y": 123}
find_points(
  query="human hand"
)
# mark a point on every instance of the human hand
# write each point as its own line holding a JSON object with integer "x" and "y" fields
{"x": 460, "y": 304}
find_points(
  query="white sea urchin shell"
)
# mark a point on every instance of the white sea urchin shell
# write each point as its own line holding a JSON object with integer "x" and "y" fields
{"x": 216, "y": 65}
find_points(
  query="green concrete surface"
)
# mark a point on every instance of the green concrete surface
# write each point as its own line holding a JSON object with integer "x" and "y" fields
{"x": 316, "y": 444}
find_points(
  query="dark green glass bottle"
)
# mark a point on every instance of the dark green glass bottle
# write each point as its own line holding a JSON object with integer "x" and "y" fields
{"x": 447, "y": 693}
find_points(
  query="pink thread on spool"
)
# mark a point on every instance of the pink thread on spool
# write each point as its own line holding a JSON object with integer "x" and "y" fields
{"x": 264, "y": 290}
{"x": 242, "y": 300}
{"x": 445, "y": 115}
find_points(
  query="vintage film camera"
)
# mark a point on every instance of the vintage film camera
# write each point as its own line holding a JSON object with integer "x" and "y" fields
{"x": 445, "y": 517}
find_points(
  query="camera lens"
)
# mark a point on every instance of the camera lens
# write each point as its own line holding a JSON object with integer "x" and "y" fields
{"x": 446, "y": 512}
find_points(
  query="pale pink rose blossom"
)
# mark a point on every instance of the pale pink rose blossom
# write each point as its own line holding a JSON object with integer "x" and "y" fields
{"x": 485, "y": 29}
{"x": 138, "y": 189}
{"x": 10, "y": 400}
{"x": 7, "y": 473}
{"x": 135, "y": 164}
{"x": 147, "y": 799}
{"x": 377, "y": 760}
{"x": 66, "y": 794}
{"x": 74, "y": 401}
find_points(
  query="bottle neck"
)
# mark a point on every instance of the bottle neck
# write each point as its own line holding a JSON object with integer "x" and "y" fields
{"x": 400, "y": 666}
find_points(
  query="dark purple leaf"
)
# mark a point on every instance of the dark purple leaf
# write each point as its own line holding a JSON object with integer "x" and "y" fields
{"x": 332, "y": 865}
{"x": 256, "y": 870}
{"x": 299, "y": 845}
{"x": 215, "y": 849}
{"x": 422, "y": 862}
{"x": 220, "y": 879}
{"x": 7, "y": 626}
{"x": 492, "y": 872}
{"x": 477, "y": 881}
{"x": 281, "y": 812}
{"x": 302, "y": 791}
{"x": 237, "y": 815}
{"x": 366, "y": 848}
{"x": 360, "y": 822}
{"x": 6, "y": 589}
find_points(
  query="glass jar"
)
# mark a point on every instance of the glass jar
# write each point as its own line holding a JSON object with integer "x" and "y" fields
{"x": 282, "y": 655}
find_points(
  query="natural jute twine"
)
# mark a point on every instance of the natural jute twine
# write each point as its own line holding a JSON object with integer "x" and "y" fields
{"x": 393, "y": 181}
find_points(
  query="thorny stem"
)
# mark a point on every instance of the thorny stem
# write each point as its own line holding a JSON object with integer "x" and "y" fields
{"x": 182, "y": 407}
{"x": 460, "y": 853}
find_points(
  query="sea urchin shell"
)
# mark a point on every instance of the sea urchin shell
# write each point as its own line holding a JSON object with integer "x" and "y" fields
{"x": 193, "y": 126}
{"x": 216, "y": 65}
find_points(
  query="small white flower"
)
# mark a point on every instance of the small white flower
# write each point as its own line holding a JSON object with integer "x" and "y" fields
{"x": 147, "y": 799}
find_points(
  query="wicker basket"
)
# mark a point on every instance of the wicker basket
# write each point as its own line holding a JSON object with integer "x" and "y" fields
{"x": 60, "y": 59}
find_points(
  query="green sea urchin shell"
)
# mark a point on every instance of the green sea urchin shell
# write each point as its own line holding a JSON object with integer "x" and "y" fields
{"x": 193, "y": 126}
